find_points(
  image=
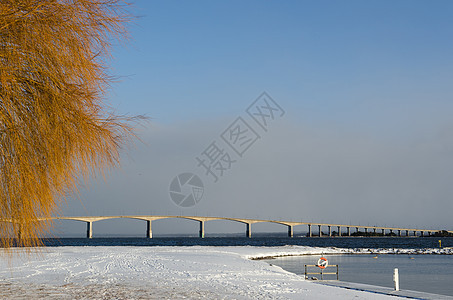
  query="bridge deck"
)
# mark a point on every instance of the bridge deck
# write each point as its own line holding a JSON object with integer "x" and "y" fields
{"x": 248, "y": 222}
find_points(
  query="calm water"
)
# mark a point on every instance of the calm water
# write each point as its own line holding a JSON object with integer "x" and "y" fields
{"x": 425, "y": 273}
{"x": 264, "y": 240}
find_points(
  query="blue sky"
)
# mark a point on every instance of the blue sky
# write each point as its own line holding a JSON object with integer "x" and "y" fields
{"x": 190, "y": 60}
{"x": 366, "y": 86}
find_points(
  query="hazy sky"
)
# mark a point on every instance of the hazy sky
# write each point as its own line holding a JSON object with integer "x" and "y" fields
{"x": 366, "y": 138}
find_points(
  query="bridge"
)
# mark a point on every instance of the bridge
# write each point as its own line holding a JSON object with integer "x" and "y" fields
{"x": 248, "y": 225}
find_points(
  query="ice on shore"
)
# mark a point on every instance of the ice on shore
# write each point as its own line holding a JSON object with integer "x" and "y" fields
{"x": 162, "y": 273}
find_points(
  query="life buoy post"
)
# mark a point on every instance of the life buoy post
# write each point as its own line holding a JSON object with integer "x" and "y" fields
{"x": 323, "y": 262}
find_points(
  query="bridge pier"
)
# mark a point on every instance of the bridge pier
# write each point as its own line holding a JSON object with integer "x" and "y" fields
{"x": 201, "y": 233}
{"x": 415, "y": 233}
{"x": 374, "y": 230}
{"x": 319, "y": 230}
{"x": 248, "y": 231}
{"x": 366, "y": 231}
{"x": 383, "y": 231}
{"x": 290, "y": 231}
{"x": 422, "y": 233}
{"x": 149, "y": 231}
{"x": 309, "y": 230}
{"x": 391, "y": 231}
{"x": 89, "y": 230}
{"x": 407, "y": 232}
{"x": 330, "y": 231}
{"x": 339, "y": 230}
{"x": 349, "y": 231}
{"x": 399, "y": 233}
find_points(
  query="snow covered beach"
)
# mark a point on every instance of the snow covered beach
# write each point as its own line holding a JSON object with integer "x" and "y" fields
{"x": 168, "y": 273}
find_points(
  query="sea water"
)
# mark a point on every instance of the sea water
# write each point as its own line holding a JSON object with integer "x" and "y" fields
{"x": 266, "y": 240}
{"x": 425, "y": 273}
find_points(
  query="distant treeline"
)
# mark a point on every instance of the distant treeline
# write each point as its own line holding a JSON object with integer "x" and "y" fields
{"x": 441, "y": 233}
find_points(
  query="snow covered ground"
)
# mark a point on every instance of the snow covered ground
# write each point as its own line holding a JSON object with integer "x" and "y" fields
{"x": 165, "y": 273}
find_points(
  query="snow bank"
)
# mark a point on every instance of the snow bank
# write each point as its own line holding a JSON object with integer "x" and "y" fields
{"x": 163, "y": 273}
{"x": 430, "y": 251}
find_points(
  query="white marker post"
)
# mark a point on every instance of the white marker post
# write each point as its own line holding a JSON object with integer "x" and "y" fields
{"x": 396, "y": 279}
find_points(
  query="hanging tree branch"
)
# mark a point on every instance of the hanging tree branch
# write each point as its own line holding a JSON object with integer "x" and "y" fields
{"x": 54, "y": 125}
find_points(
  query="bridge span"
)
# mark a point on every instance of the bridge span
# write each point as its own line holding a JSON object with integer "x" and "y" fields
{"x": 248, "y": 225}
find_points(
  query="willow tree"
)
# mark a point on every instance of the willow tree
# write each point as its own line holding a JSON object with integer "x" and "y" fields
{"x": 55, "y": 128}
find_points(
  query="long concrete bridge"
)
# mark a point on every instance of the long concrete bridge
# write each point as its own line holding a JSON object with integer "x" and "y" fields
{"x": 248, "y": 225}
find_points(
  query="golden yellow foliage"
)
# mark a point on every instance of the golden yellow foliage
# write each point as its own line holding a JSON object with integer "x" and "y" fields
{"x": 54, "y": 126}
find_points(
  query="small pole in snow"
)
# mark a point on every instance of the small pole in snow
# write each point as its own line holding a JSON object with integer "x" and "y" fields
{"x": 440, "y": 243}
{"x": 396, "y": 279}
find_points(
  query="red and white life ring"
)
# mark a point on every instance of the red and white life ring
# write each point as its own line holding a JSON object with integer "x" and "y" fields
{"x": 322, "y": 262}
